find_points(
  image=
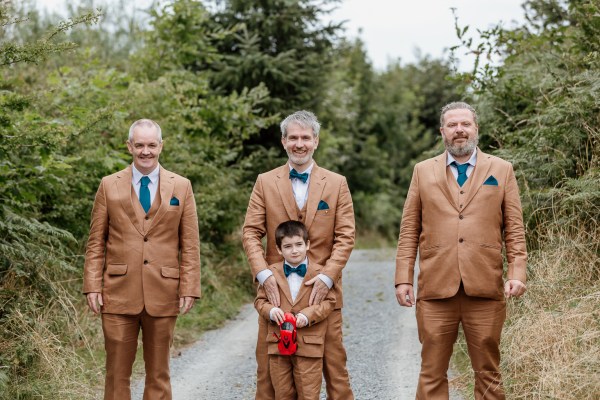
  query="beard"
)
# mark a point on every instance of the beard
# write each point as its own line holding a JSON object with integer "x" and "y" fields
{"x": 457, "y": 150}
{"x": 295, "y": 159}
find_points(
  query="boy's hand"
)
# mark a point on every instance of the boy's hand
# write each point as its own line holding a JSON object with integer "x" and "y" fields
{"x": 301, "y": 321}
{"x": 277, "y": 315}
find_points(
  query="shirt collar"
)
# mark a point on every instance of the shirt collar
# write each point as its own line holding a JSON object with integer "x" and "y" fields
{"x": 305, "y": 262}
{"x": 307, "y": 170}
{"x": 137, "y": 175}
{"x": 472, "y": 160}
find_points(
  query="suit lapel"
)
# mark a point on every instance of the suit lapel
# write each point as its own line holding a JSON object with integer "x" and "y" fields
{"x": 440, "y": 178}
{"x": 479, "y": 174}
{"x": 284, "y": 186}
{"x": 315, "y": 190}
{"x": 166, "y": 184}
{"x": 123, "y": 184}
{"x": 282, "y": 282}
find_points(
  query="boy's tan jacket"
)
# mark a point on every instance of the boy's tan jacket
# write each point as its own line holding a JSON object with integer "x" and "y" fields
{"x": 330, "y": 231}
{"x": 310, "y": 339}
{"x": 460, "y": 232}
{"x": 139, "y": 261}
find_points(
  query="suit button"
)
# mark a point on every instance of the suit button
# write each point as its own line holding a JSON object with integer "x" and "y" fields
{"x": 147, "y": 217}
{"x": 461, "y": 216}
{"x": 461, "y": 240}
{"x": 146, "y": 261}
{"x": 461, "y": 206}
{"x": 299, "y": 216}
{"x": 145, "y": 239}
{"x": 462, "y": 192}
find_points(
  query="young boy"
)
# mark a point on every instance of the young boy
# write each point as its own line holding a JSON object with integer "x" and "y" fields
{"x": 297, "y": 376}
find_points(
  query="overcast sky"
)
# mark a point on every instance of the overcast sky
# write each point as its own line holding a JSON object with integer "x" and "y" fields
{"x": 393, "y": 29}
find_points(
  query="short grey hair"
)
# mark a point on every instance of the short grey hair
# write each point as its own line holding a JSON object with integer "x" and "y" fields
{"x": 457, "y": 105}
{"x": 305, "y": 119}
{"x": 147, "y": 123}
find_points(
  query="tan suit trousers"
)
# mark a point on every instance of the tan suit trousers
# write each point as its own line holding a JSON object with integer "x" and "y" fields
{"x": 296, "y": 377}
{"x": 120, "y": 341}
{"x": 482, "y": 321}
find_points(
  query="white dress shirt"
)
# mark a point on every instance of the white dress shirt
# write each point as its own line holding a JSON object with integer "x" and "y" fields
{"x": 136, "y": 178}
{"x": 472, "y": 161}
{"x": 301, "y": 188}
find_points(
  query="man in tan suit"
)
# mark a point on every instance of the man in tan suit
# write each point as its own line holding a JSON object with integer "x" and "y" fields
{"x": 460, "y": 208}
{"x": 302, "y": 191}
{"x": 142, "y": 263}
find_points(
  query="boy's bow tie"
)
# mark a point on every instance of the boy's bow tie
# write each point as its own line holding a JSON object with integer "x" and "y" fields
{"x": 300, "y": 270}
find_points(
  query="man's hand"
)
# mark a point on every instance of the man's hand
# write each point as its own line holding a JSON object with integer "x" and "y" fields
{"x": 319, "y": 291}
{"x": 272, "y": 290}
{"x": 405, "y": 295}
{"x": 277, "y": 315}
{"x": 514, "y": 288}
{"x": 93, "y": 300}
{"x": 186, "y": 303}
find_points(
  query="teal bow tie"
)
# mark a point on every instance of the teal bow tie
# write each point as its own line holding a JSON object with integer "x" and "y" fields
{"x": 462, "y": 172}
{"x": 302, "y": 176}
{"x": 145, "y": 193}
{"x": 300, "y": 270}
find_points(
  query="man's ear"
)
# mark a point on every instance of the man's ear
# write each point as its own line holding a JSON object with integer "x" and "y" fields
{"x": 279, "y": 250}
{"x": 307, "y": 245}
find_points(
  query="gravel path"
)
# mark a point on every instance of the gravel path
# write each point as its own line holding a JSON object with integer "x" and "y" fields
{"x": 379, "y": 335}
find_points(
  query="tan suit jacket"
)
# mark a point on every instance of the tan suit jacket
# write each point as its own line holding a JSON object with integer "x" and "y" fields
{"x": 311, "y": 338}
{"x": 460, "y": 232}
{"x": 330, "y": 231}
{"x": 138, "y": 263}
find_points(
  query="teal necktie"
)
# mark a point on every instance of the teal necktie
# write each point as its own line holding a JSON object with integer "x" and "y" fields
{"x": 462, "y": 172}
{"x": 145, "y": 193}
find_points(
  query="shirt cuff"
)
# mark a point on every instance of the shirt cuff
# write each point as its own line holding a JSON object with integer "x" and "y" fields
{"x": 263, "y": 275}
{"x": 326, "y": 280}
{"x": 299, "y": 315}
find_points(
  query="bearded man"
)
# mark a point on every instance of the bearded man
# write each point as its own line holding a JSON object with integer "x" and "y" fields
{"x": 461, "y": 208}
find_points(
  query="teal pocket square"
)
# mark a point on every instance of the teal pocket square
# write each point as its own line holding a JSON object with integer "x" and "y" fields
{"x": 174, "y": 201}
{"x": 323, "y": 206}
{"x": 491, "y": 181}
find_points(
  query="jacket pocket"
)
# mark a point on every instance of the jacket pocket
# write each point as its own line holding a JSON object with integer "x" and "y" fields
{"x": 169, "y": 272}
{"x": 116, "y": 269}
{"x": 313, "y": 339}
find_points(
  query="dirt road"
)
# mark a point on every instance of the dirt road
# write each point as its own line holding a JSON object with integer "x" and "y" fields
{"x": 380, "y": 337}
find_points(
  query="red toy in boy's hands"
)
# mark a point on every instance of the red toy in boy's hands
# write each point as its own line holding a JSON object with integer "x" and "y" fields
{"x": 287, "y": 341}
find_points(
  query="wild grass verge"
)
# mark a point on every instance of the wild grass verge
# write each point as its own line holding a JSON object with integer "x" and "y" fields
{"x": 551, "y": 340}
{"x": 53, "y": 348}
